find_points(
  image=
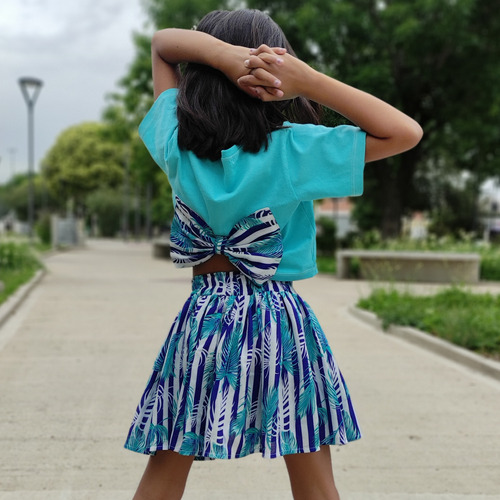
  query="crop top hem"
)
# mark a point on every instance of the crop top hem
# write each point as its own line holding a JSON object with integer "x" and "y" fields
{"x": 294, "y": 276}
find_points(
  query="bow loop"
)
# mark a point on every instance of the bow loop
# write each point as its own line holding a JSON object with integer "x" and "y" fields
{"x": 254, "y": 244}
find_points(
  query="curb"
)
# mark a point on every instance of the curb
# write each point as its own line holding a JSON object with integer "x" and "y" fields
{"x": 9, "y": 307}
{"x": 434, "y": 344}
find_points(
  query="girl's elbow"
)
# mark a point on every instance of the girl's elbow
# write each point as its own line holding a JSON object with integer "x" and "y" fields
{"x": 412, "y": 135}
{"x": 403, "y": 139}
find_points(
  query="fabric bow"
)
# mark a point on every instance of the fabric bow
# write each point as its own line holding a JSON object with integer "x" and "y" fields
{"x": 254, "y": 245}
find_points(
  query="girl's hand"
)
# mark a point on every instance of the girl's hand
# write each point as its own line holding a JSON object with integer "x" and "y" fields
{"x": 288, "y": 70}
{"x": 260, "y": 81}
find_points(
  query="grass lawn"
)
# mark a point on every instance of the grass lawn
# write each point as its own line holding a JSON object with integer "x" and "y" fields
{"x": 13, "y": 279}
{"x": 18, "y": 264}
{"x": 467, "y": 319}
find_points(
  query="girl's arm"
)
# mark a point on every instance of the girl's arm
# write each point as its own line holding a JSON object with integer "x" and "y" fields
{"x": 170, "y": 47}
{"x": 389, "y": 131}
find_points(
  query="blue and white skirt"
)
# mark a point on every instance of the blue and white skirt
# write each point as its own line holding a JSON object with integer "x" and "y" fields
{"x": 245, "y": 368}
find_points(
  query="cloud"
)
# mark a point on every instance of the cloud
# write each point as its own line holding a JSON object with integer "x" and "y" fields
{"x": 79, "y": 48}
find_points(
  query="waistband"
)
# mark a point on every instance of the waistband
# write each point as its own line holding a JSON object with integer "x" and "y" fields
{"x": 236, "y": 283}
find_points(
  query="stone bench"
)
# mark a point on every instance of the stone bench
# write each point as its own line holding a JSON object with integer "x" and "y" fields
{"x": 161, "y": 248}
{"x": 431, "y": 267}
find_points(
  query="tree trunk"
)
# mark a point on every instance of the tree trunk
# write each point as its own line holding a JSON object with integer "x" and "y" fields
{"x": 396, "y": 183}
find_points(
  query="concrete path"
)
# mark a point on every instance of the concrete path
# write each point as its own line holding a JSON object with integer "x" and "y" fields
{"x": 75, "y": 357}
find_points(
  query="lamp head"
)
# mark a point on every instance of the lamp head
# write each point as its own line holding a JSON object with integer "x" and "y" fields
{"x": 30, "y": 87}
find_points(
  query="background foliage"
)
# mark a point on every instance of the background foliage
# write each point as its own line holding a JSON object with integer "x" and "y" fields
{"x": 437, "y": 60}
{"x": 82, "y": 160}
{"x": 465, "y": 318}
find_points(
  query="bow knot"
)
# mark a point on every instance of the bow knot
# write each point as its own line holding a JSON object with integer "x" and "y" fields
{"x": 219, "y": 245}
{"x": 254, "y": 245}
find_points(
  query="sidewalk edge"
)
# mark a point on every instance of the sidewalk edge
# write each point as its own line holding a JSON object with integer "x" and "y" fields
{"x": 438, "y": 346}
{"x": 9, "y": 307}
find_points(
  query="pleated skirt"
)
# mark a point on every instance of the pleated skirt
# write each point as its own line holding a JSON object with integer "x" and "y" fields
{"x": 244, "y": 369}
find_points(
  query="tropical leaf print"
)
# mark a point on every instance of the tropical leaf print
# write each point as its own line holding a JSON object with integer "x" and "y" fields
{"x": 323, "y": 415}
{"x": 209, "y": 371}
{"x": 186, "y": 409}
{"x": 307, "y": 396}
{"x": 172, "y": 352}
{"x": 351, "y": 430}
{"x": 252, "y": 405}
{"x": 228, "y": 361}
{"x": 219, "y": 451}
{"x": 311, "y": 331}
{"x": 136, "y": 441}
{"x": 211, "y": 324}
{"x": 285, "y": 397}
{"x": 251, "y": 440}
{"x": 160, "y": 360}
{"x": 289, "y": 351}
{"x": 229, "y": 312}
{"x": 242, "y": 369}
{"x": 256, "y": 321}
{"x": 271, "y": 248}
{"x": 157, "y": 435}
{"x": 332, "y": 387}
{"x": 238, "y": 423}
{"x": 332, "y": 438}
{"x": 192, "y": 443}
{"x": 269, "y": 414}
{"x": 288, "y": 443}
{"x": 194, "y": 242}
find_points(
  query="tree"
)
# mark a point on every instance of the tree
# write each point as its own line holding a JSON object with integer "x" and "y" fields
{"x": 436, "y": 60}
{"x": 14, "y": 196}
{"x": 105, "y": 206}
{"x": 124, "y": 112}
{"x": 83, "y": 159}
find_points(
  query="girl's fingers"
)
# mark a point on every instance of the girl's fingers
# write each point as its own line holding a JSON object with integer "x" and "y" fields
{"x": 260, "y": 77}
{"x": 270, "y": 50}
{"x": 263, "y": 60}
{"x": 262, "y": 92}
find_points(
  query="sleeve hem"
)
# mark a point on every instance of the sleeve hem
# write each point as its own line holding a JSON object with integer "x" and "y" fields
{"x": 358, "y": 164}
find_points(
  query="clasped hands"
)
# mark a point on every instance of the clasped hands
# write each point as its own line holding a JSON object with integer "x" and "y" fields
{"x": 266, "y": 68}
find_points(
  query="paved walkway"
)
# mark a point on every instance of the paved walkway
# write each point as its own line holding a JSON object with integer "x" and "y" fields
{"x": 75, "y": 357}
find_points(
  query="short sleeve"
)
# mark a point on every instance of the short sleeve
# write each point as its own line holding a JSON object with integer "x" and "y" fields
{"x": 326, "y": 162}
{"x": 160, "y": 125}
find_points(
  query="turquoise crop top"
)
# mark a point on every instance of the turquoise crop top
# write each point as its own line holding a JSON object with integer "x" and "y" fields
{"x": 302, "y": 163}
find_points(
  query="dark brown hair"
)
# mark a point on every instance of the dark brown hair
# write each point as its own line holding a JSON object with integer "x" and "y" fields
{"x": 213, "y": 113}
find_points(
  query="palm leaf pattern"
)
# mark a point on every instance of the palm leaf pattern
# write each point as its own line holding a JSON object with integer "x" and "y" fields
{"x": 244, "y": 368}
{"x": 288, "y": 443}
{"x": 157, "y": 434}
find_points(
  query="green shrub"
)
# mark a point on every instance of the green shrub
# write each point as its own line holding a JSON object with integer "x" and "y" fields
{"x": 326, "y": 236}
{"x": 326, "y": 264}
{"x": 464, "y": 318}
{"x": 107, "y": 205}
{"x": 15, "y": 256}
{"x": 490, "y": 264}
{"x": 18, "y": 265}
{"x": 43, "y": 228}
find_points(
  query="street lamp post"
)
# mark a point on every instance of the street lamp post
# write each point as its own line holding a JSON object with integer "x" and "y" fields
{"x": 30, "y": 87}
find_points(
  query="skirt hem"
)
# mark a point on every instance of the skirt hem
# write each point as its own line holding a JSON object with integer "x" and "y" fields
{"x": 211, "y": 456}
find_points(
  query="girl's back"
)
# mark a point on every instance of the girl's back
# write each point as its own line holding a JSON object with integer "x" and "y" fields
{"x": 246, "y": 366}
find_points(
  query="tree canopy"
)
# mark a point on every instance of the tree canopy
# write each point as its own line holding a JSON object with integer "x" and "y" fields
{"x": 437, "y": 60}
{"x": 83, "y": 159}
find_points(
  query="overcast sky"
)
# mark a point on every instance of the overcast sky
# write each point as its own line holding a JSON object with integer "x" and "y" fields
{"x": 79, "y": 48}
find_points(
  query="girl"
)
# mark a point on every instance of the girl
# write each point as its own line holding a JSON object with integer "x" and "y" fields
{"x": 246, "y": 366}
